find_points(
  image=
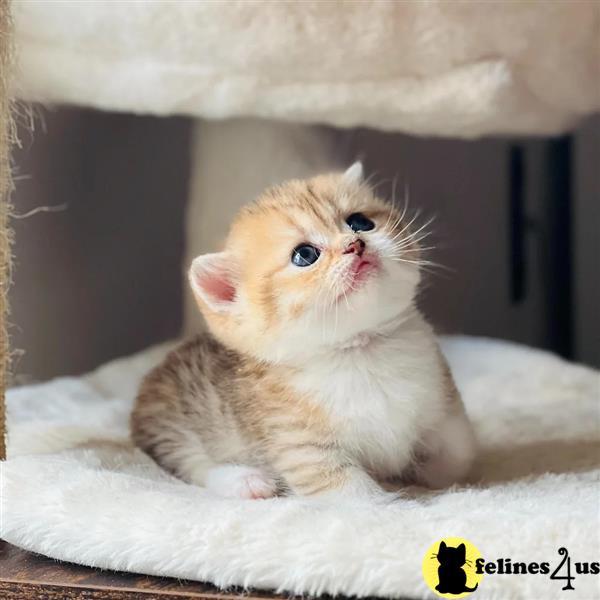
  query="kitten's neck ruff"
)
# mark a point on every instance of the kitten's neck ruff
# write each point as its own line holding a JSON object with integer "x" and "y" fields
{"x": 367, "y": 340}
{"x": 361, "y": 340}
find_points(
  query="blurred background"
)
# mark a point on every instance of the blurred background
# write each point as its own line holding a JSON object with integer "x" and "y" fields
{"x": 101, "y": 275}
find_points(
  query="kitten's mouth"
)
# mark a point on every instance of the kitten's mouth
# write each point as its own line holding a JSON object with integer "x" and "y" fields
{"x": 362, "y": 269}
{"x": 359, "y": 271}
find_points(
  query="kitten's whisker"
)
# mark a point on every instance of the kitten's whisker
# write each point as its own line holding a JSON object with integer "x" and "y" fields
{"x": 389, "y": 218}
{"x": 424, "y": 226}
{"x": 333, "y": 292}
{"x": 427, "y": 223}
{"x": 337, "y": 307}
{"x": 397, "y": 218}
{"x": 410, "y": 222}
{"x": 411, "y": 235}
{"x": 406, "y": 227}
{"x": 346, "y": 298}
{"x": 426, "y": 263}
{"x": 426, "y": 248}
{"x": 403, "y": 243}
{"x": 402, "y": 214}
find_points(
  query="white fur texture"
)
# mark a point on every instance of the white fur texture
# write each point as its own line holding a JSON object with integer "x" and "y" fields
{"x": 386, "y": 395}
{"x": 74, "y": 489}
{"x": 433, "y": 68}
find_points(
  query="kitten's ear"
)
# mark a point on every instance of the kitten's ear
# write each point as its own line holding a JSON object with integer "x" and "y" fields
{"x": 212, "y": 280}
{"x": 353, "y": 175}
{"x": 442, "y": 545}
{"x": 462, "y": 549}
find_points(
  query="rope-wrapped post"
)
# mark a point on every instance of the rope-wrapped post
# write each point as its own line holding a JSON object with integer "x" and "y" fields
{"x": 6, "y": 137}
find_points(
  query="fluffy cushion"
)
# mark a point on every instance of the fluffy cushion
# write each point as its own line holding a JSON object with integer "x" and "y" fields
{"x": 443, "y": 68}
{"x": 74, "y": 489}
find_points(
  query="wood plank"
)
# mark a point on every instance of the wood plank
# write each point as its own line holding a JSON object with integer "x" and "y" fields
{"x": 42, "y": 591}
{"x": 28, "y": 576}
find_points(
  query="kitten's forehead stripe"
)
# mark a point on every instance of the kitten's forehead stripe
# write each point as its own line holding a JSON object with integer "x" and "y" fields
{"x": 317, "y": 205}
{"x": 314, "y": 211}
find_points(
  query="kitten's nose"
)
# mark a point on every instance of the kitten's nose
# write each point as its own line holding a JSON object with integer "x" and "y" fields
{"x": 355, "y": 247}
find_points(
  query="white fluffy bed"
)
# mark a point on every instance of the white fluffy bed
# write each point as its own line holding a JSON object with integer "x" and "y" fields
{"x": 74, "y": 489}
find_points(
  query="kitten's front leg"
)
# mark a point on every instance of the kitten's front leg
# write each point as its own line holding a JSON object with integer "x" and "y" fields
{"x": 450, "y": 451}
{"x": 311, "y": 469}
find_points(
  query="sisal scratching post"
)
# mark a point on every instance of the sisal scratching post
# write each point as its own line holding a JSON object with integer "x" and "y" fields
{"x": 6, "y": 136}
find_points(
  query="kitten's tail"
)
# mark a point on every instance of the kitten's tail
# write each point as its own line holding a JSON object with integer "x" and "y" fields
{"x": 471, "y": 589}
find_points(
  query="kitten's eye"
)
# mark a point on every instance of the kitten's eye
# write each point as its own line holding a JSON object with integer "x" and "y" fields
{"x": 305, "y": 255}
{"x": 358, "y": 222}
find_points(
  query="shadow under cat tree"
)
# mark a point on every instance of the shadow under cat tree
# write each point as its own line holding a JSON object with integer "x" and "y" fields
{"x": 502, "y": 464}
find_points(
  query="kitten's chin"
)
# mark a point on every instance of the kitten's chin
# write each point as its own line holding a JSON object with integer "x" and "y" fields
{"x": 306, "y": 339}
{"x": 381, "y": 300}
{"x": 384, "y": 298}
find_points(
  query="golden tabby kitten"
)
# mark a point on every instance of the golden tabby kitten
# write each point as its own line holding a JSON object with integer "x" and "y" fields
{"x": 319, "y": 375}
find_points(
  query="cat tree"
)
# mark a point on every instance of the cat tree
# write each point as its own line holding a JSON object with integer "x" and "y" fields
{"x": 6, "y": 137}
{"x": 258, "y": 76}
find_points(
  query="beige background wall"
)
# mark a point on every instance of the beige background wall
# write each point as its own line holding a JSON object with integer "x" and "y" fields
{"x": 103, "y": 277}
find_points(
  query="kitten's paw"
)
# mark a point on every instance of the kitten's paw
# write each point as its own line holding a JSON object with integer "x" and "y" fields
{"x": 240, "y": 481}
{"x": 359, "y": 487}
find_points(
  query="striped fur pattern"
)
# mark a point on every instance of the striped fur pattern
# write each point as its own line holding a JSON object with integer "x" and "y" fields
{"x": 314, "y": 380}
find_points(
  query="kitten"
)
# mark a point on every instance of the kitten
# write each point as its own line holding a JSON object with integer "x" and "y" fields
{"x": 319, "y": 374}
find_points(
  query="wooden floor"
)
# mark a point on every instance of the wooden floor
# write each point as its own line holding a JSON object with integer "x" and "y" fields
{"x": 26, "y": 576}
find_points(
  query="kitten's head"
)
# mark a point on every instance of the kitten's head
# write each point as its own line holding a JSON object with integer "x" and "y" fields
{"x": 450, "y": 556}
{"x": 309, "y": 264}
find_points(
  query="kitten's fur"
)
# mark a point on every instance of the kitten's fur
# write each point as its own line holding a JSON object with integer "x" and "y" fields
{"x": 313, "y": 379}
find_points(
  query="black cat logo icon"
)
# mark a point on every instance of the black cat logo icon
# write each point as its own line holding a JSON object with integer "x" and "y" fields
{"x": 449, "y": 568}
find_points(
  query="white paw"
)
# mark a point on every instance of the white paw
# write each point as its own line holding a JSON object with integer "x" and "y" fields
{"x": 240, "y": 481}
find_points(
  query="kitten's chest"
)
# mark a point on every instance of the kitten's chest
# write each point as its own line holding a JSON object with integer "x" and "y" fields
{"x": 378, "y": 405}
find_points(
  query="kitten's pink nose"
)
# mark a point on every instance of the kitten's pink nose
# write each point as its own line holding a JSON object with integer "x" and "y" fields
{"x": 355, "y": 247}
